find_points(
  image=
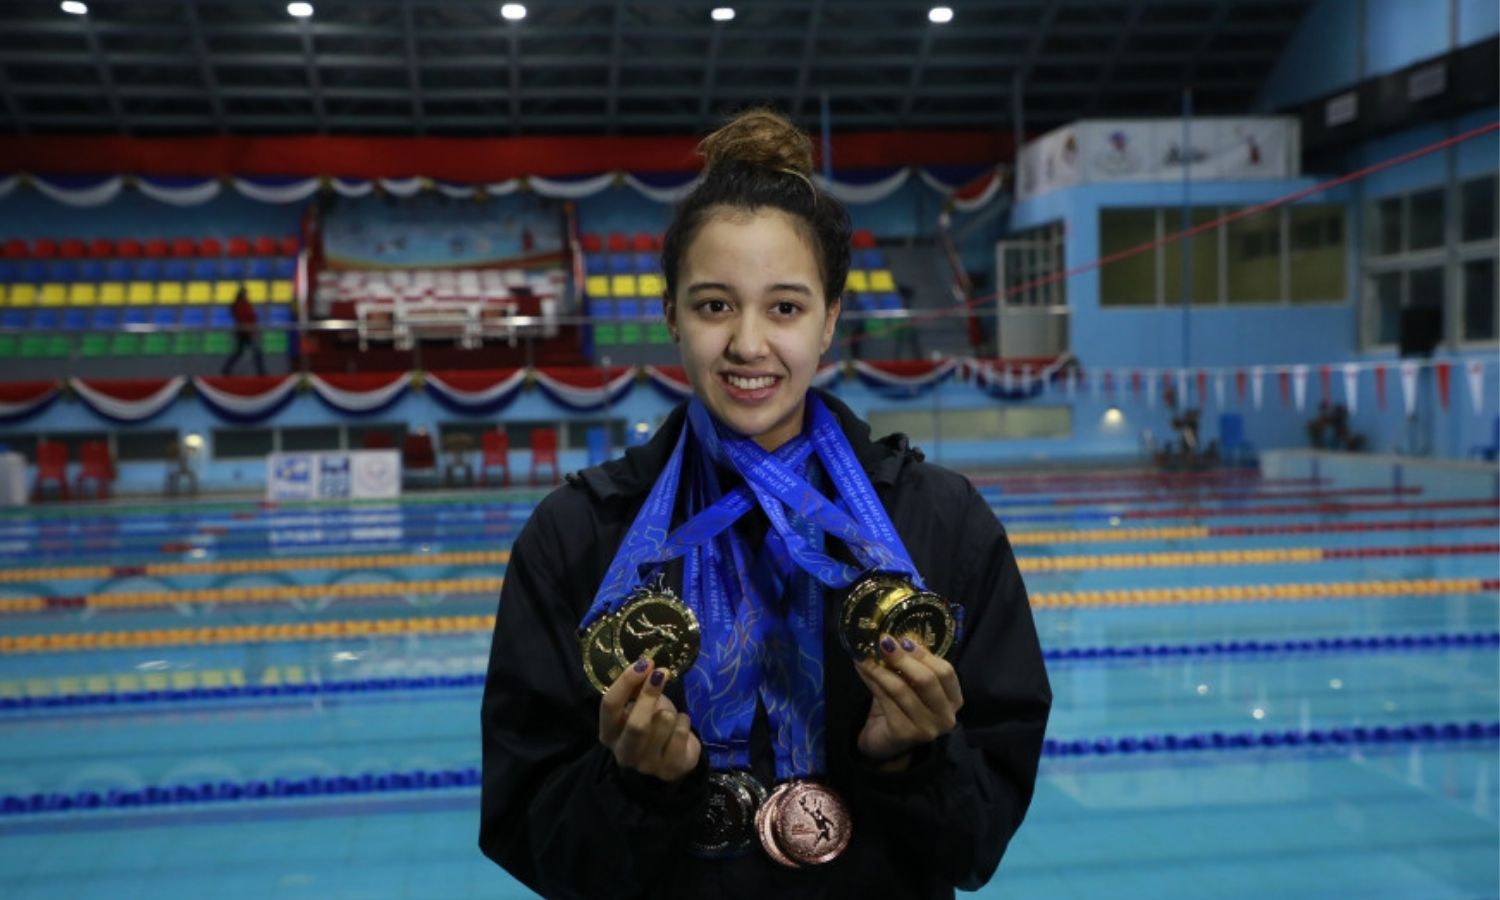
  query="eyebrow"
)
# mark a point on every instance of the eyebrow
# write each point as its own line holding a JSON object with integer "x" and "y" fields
{"x": 794, "y": 287}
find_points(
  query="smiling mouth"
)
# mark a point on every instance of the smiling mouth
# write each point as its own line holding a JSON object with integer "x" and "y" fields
{"x": 756, "y": 383}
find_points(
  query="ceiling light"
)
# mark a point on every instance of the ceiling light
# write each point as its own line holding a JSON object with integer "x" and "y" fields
{"x": 940, "y": 15}
{"x": 74, "y": 7}
{"x": 300, "y": 10}
{"x": 722, "y": 13}
{"x": 515, "y": 12}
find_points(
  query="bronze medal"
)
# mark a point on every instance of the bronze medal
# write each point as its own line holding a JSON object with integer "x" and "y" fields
{"x": 726, "y": 821}
{"x": 882, "y": 603}
{"x": 656, "y": 624}
{"x": 601, "y": 665}
{"x": 766, "y": 826}
{"x": 812, "y": 824}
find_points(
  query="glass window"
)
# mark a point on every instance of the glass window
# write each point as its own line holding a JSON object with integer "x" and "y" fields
{"x": 1254, "y": 263}
{"x": 310, "y": 438}
{"x": 1131, "y": 280}
{"x": 240, "y": 443}
{"x": 1203, "y": 257}
{"x": 1478, "y": 216}
{"x": 1480, "y": 300}
{"x": 1385, "y": 226}
{"x": 1427, "y": 219}
{"x": 24, "y": 444}
{"x": 1426, "y": 287}
{"x": 1386, "y": 290}
{"x": 377, "y": 435}
{"x": 145, "y": 445}
{"x": 1318, "y": 258}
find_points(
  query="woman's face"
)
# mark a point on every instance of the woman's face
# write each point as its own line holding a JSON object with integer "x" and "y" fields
{"x": 752, "y": 321}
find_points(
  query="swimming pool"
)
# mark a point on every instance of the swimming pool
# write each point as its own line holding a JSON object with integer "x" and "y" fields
{"x": 1263, "y": 686}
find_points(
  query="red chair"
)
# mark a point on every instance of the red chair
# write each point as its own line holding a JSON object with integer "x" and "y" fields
{"x": 618, "y": 244}
{"x": 95, "y": 465}
{"x": 44, "y": 248}
{"x": 210, "y": 246}
{"x": 544, "y": 453}
{"x": 265, "y": 246}
{"x": 288, "y": 246}
{"x": 51, "y": 465}
{"x": 644, "y": 243}
{"x": 378, "y": 440}
{"x": 494, "y": 449}
{"x": 418, "y": 456}
{"x": 156, "y": 248}
{"x": 15, "y": 248}
{"x": 128, "y": 248}
{"x": 864, "y": 239}
{"x": 591, "y": 243}
{"x": 72, "y": 248}
{"x": 101, "y": 248}
{"x": 183, "y": 248}
{"x": 238, "y": 246}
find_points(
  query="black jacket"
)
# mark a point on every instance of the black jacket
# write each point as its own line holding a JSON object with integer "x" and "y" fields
{"x": 562, "y": 818}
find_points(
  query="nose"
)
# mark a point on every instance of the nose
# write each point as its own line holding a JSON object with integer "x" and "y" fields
{"x": 747, "y": 342}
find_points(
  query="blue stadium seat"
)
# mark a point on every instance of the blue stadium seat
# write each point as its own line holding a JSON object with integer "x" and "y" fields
{"x": 194, "y": 317}
{"x": 91, "y": 270}
{"x": 105, "y": 319}
{"x": 259, "y": 269}
{"x": 175, "y": 270}
{"x": 134, "y": 316}
{"x": 593, "y": 264}
{"x": 645, "y": 263}
{"x": 118, "y": 270}
{"x": 205, "y": 270}
{"x": 219, "y": 317}
{"x": 889, "y": 302}
{"x": 280, "y": 315}
{"x": 285, "y": 267}
{"x": 870, "y": 259}
{"x": 232, "y": 269}
{"x": 628, "y": 308}
{"x": 622, "y": 264}
{"x": 15, "y": 318}
{"x": 8, "y": 271}
{"x": 64, "y": 270}
{"x": 75, "y": 320}
{"x": 33, "y": 271}
{"x": 164, "y": 316}
{"x": 44, "y": 320}
{"x": 150, "y": 270}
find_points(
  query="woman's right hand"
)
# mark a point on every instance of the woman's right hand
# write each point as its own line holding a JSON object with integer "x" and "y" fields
{"x": 643, "y": 728}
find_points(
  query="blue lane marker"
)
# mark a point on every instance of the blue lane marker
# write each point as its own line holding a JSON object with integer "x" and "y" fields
{"x": 1254, "y": 647}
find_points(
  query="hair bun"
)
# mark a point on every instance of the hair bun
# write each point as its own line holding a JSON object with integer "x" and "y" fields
{"x": 760, "y": 137}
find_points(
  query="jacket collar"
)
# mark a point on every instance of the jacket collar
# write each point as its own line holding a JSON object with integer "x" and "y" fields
{"x": 637, "y": 470}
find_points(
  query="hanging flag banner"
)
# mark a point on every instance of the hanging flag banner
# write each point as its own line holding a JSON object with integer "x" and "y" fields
{"x": 1257, "y": 388}
{"x": 1151, "y": 392}
{"x": 1182, "y": 389}
{"x": 23, "y": 399}
{"x": 1475, "y": 369}
{"x": 1380, "y": 387}
{"x": 908, "y": 378}
{"x": 127, "y": 399}
{"x": 1299, "y": 386}
{"x": 245, "y": 398}
{"x": 1219, "y": 389}
{"x": 1325, "y": 385}
{"x": 1444, "y": 376}
{"x": 1351, "y": 387}
{"x": 476, "y": 391}
{"x": 1409, "y": 387}
{"x": 359, "y": 393}
{"x": 584, "y": 389}
{"x": 1203, "y": 388}
{"x": 1284, "y": 384}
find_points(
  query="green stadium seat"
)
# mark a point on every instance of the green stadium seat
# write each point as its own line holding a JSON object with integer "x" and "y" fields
{"x": 94, "y": 345}
{"x": 187, "y": 343}
{"x": 606, "y": 335}
{"x": 125, "y": 345}
{"x": 273, "y": 342}
{"x": 217, "y": 342}
{"x": 658, "y": 333}
{"x": 155, "y": 345}
{"x": 8, "y": 346}
{"x": 33, "y": 346}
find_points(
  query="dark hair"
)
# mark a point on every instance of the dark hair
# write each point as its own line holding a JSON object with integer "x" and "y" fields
{"x": 759, "y": 160}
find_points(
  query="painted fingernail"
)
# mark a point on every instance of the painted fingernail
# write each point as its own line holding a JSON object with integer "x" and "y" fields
{"x": 888, "y": 645}
{"x": 908, "y": 645}
{"x": 657, "y": 677}
{"x": 641, "y": 664}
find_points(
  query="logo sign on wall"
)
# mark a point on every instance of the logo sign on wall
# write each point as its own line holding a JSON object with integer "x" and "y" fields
{"x": 353, "y": 475}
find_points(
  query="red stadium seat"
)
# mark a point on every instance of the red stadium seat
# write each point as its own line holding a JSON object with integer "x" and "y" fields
{"x": 15, "y": 248}
{"x": 95, "y": 465}
{"x": 544, "y": 452}
{"x": 51, "y": 465}
{"x": 644, "y": 243}
{"x": 864, "y": 239}
{"x": 495, "y": 453}
{"x": 210, "y": 246}
{"x": 418, "y": 454}
{"x": 72, "y": 248}
{"x": 591, "y": 243}
{"x": 184, "y": 247}
{"x": 618, "y": 244}
{"x": 265, "y": 246}
{"x": 238, "y": 246}
{"x": 156, "y": 248}
{"x": 101, "y": 248}
{"x": 128, "y": 248}
{"x": 44, "y": 248}
{"x": 288, "y": 246}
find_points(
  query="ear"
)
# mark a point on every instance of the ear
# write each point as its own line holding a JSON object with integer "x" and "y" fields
{"x": 831, "y": 321}
{"x": 669, "y": 312}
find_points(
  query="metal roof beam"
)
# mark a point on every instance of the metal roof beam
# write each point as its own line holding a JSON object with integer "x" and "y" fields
{"x": 413, "y": 68}
{"x": 514, "y": 65}
{"x": 1221, "y": 12}
{"x": 106, "y": 79}
{"x": 200, "y": 58}
{"x": 804, "y": 65}
{"x": 314, "y": 83}
{"x": 12, "y": 106}
{"x": 616, "y": 42}
{"x": 710, "y": 70}
{"x": 1107, "y": 74}
{"x": 916, "y": 72}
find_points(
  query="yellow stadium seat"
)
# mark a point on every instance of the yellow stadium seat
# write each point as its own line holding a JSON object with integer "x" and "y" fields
{"x": 281, "y": 291}
{"x": 256, "y": 291}
{"x": 200, "y": 291}
{"x": 651, "y": 285}
{"x": 622, "y": 285}
{"x": 4, "y": 295}
{"x": 142, "y": 293}
{"x": 82, "y": 293}
{"x": 881, "y": 280}
{"x": 857, "y": 281}
{"x": 224, "y": 291}
{"x": 111, "y": 293}
{"x": 23, "y": 295}
{"x": 54, "y": 294}
{"x": 169, "y": 293}
{"x": 597, "y": 285}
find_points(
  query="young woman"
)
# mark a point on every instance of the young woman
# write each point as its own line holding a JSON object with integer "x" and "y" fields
{"x": 793, "y": 755}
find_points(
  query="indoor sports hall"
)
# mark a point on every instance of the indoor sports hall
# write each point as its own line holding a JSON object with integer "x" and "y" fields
{"x": 304, "y": 309}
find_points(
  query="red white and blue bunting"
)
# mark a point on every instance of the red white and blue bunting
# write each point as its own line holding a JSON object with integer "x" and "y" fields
{"x": 477, "y": 392}
{"x": 21, "y": 400}
{"x": 245, "y": 398}
{"x": 584, "y": 389}
{"x": 360, "y": 393}
{"x": 904, "y": 378}
{"x": 129, "y": 400}
{"x": 1022, "y": 378}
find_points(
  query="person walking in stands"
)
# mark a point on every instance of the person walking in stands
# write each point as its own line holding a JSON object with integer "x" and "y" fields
{"x": 764, "y": 654}
{"x": 246, "y": 333}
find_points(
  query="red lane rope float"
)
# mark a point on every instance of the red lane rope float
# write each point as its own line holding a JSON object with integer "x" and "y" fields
{"x": 1222, "y": 496}
{"x": 1200, "y": 512}
{"x": 253, "y": 566}
{"x": 1204, "y": 532}
{"x": 257, "y": 594}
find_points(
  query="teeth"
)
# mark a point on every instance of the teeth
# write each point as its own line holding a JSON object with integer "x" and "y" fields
{"x": 751, "y": 384}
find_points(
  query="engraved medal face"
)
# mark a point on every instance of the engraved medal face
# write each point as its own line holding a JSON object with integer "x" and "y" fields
{"x": 882, "y": 603}
{"x": 925, "y": 618}
{"x": 766, "y": 826}
{"x": 659, "y": 626}
{"x": 726, "y": 821}
{"x": 601, "y": 665}
{"x": 813, "y": 825}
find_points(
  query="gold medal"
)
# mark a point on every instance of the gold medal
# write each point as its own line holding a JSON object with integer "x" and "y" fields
{"x": 601, "y": 664}
{"x": 882, "y": 603}
{"x": 654, "y": 623}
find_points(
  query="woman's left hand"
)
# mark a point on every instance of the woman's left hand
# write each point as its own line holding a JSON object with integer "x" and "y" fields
{"x": 916, "y": 700}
